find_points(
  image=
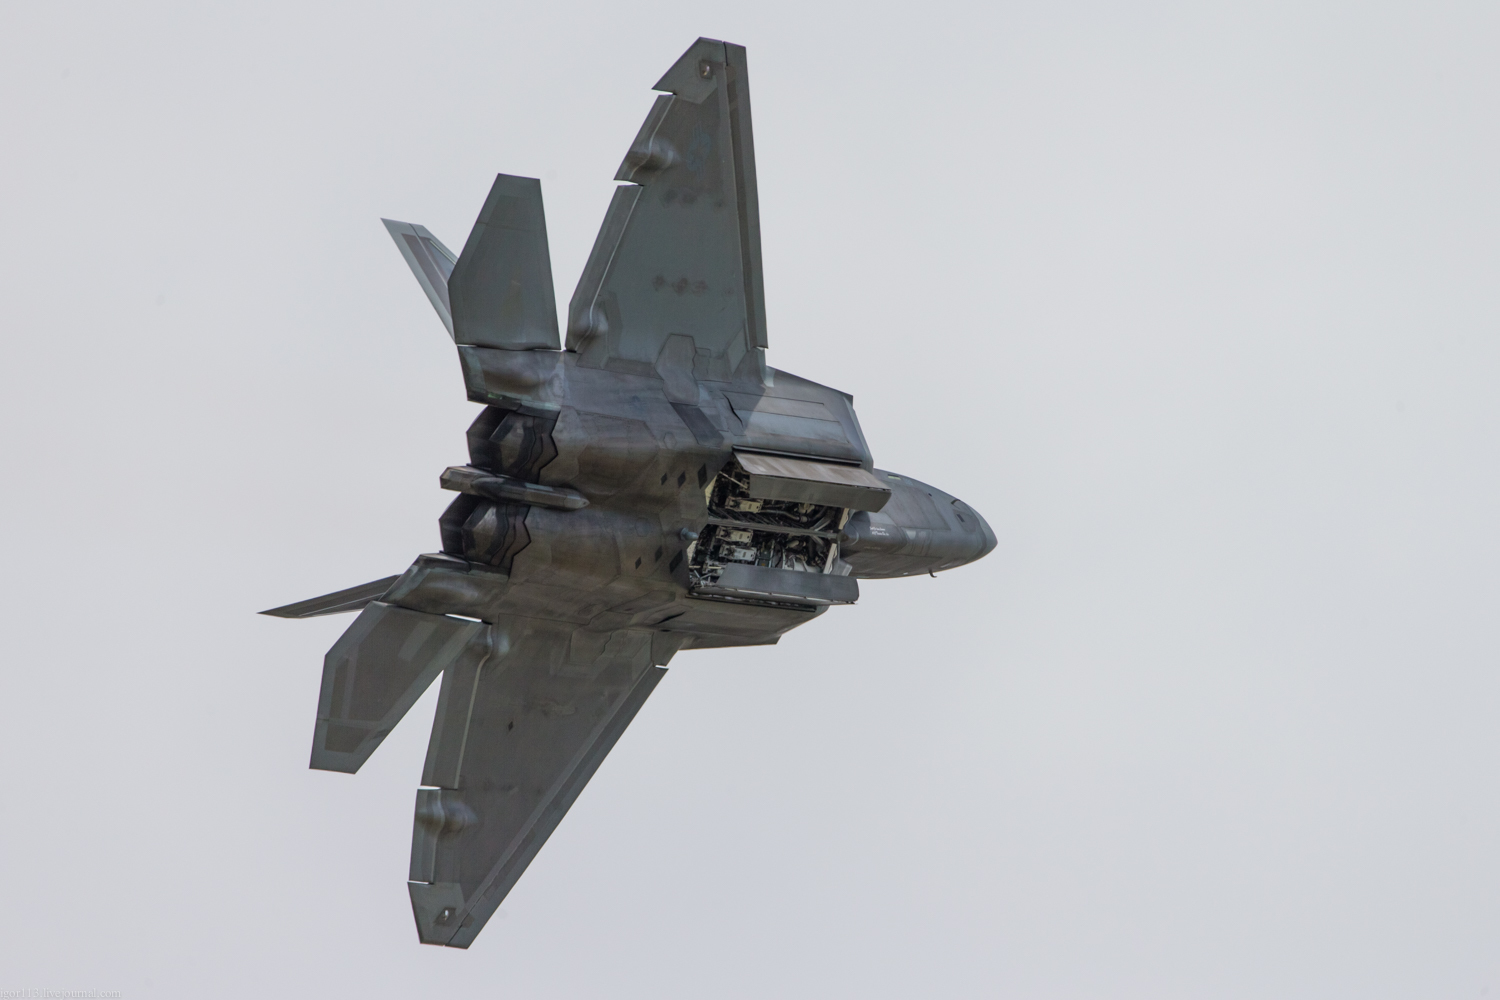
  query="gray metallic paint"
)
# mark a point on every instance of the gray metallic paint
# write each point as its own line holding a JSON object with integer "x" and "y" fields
{"x": 652, "y": 488}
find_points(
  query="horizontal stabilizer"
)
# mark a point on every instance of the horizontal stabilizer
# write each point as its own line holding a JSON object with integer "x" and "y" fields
{"x": 376, "y": 671}
{"x": 501, "y": 287}
{"x": 430, "y": 261}
{"x": 337, "y": 602}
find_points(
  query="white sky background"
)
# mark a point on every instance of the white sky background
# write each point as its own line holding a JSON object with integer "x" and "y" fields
{"x": 1196, "y": 303}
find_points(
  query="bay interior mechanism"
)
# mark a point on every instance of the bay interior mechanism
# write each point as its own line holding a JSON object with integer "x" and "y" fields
{"x": 772, "y": 535}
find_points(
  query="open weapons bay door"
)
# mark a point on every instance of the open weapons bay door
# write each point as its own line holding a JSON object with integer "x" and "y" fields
{"x": 773, "y": 531}
{"x": 801, "y": 480}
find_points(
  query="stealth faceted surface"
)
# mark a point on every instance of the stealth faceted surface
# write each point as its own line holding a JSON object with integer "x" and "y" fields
{"x": 652, "y": 489}
{"x": 1196, "y": 301}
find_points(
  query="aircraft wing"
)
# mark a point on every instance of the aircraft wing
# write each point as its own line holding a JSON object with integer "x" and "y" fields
{"x": 675, "y": 273}
{"x": 515, "y": 740}
{"x": 527, "y": 711}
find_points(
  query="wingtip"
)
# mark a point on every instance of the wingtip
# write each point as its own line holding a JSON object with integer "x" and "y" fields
{"x": 687, "y": 77}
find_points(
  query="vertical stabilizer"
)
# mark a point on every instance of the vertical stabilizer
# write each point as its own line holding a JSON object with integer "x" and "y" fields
{"x": 429, "y": 260}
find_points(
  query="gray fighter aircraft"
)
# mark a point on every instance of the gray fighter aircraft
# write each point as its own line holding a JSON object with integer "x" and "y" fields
{"x": 648, "y": 488}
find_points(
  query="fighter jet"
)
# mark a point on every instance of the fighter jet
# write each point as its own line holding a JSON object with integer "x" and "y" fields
{"x": 646, "y": 486}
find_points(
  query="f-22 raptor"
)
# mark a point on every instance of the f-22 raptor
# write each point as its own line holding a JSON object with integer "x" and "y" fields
{"x": 646, "y": 486}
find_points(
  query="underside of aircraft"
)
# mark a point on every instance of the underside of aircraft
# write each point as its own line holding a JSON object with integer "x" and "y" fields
{"x": 645, "y": 486}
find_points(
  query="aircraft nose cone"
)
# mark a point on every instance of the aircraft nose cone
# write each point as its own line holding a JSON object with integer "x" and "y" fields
{"x": 989, "y": 536}
{"x": 920, "y": 530}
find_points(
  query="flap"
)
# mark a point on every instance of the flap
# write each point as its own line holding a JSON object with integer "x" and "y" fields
{"x": 774, "y": 477}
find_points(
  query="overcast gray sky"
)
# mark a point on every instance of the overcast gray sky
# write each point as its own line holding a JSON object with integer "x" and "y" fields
{"x": 1196, "y": 303}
